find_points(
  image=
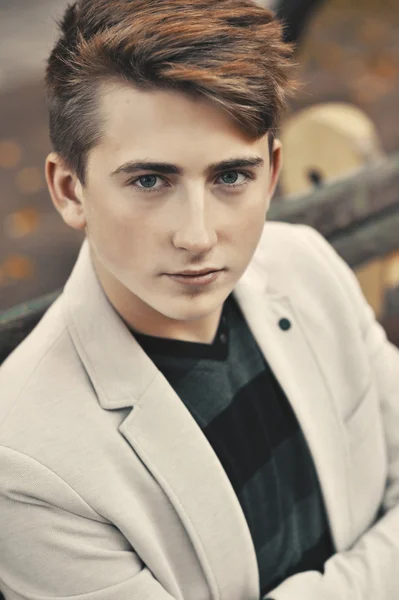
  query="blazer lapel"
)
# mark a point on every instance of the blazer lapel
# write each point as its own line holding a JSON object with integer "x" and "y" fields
{"x": 294, "y": 364}
{"x": 171, "y": 444}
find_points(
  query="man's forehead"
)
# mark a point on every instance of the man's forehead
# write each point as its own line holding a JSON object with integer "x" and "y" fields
{"x": 132, "y": 128}
{"x": 114, "y": 95}
{"x": 157, "y": 110}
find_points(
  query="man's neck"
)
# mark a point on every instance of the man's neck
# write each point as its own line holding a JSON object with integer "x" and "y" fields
{"x": 142, "y": 318}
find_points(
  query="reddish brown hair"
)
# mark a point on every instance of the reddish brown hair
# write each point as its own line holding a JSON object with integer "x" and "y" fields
{"x": 229, "y": 51}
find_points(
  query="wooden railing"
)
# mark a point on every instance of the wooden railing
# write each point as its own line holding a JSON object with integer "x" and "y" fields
{"x": 359, "y": 216}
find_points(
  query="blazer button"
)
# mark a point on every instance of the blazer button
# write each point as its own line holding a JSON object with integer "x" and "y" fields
{"x": 284, "y": 324}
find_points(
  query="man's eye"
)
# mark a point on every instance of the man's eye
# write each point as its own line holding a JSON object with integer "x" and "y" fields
{"x": 247, "y": 177}
{"x": 147, "y": 181}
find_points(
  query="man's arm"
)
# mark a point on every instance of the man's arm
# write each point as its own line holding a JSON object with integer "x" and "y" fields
{"x": 370, "y": 569}
{"x": 53, "y": 545}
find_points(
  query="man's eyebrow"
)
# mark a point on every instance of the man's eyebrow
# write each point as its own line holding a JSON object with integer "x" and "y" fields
{"x": 133, "y": 166}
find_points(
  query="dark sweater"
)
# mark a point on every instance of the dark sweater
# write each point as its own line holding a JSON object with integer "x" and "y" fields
{"x": 231, "y": 392}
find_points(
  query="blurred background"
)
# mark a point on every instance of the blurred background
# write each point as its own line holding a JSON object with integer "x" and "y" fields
{"x": 348, "y": 52}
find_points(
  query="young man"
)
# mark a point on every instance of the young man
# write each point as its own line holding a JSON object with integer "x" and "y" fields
{"x": 210, "y": 409}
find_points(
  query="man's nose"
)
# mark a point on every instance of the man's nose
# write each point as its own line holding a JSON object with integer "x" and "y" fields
{"x": 194, "y": 230}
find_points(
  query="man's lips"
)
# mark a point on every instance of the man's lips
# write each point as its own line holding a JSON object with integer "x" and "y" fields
{"x": 189, "y": 273}
{"x": 204, "y": 278}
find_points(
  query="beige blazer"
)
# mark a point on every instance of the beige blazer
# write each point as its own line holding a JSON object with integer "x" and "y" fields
{"x": 109, "y": 490}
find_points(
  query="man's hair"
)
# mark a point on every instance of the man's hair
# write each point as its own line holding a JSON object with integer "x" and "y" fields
{"x": 229, "y": 51}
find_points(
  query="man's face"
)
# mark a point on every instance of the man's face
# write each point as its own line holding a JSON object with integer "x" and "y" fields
{"x": 145, "y": 224}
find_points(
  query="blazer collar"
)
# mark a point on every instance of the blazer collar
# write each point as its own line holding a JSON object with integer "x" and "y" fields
{"x": 119, "y": 369}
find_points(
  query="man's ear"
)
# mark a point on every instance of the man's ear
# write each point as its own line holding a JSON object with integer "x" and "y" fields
{"x": 65, "y": 191}
{"x": 276, "y": 164}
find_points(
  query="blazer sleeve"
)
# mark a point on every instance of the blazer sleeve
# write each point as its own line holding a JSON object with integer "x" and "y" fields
{"x": 370, "y": 568}
{"x": 54, "y": 545}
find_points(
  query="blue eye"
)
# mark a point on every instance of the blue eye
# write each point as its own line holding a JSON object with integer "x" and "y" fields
{"x": 150, "y": 178}
{"x": 145, "y": 178}
{"x": 230, "y": 173}
{"x": 248, "y": 177}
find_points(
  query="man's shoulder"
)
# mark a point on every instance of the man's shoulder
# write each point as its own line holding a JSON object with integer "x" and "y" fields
{"x": 298, "y": 262}
{"x": 286, "y": 239}
{"x": 25, "y": 358}
{"x": 287, "y": 249}
{"x": 37, "y": 374}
